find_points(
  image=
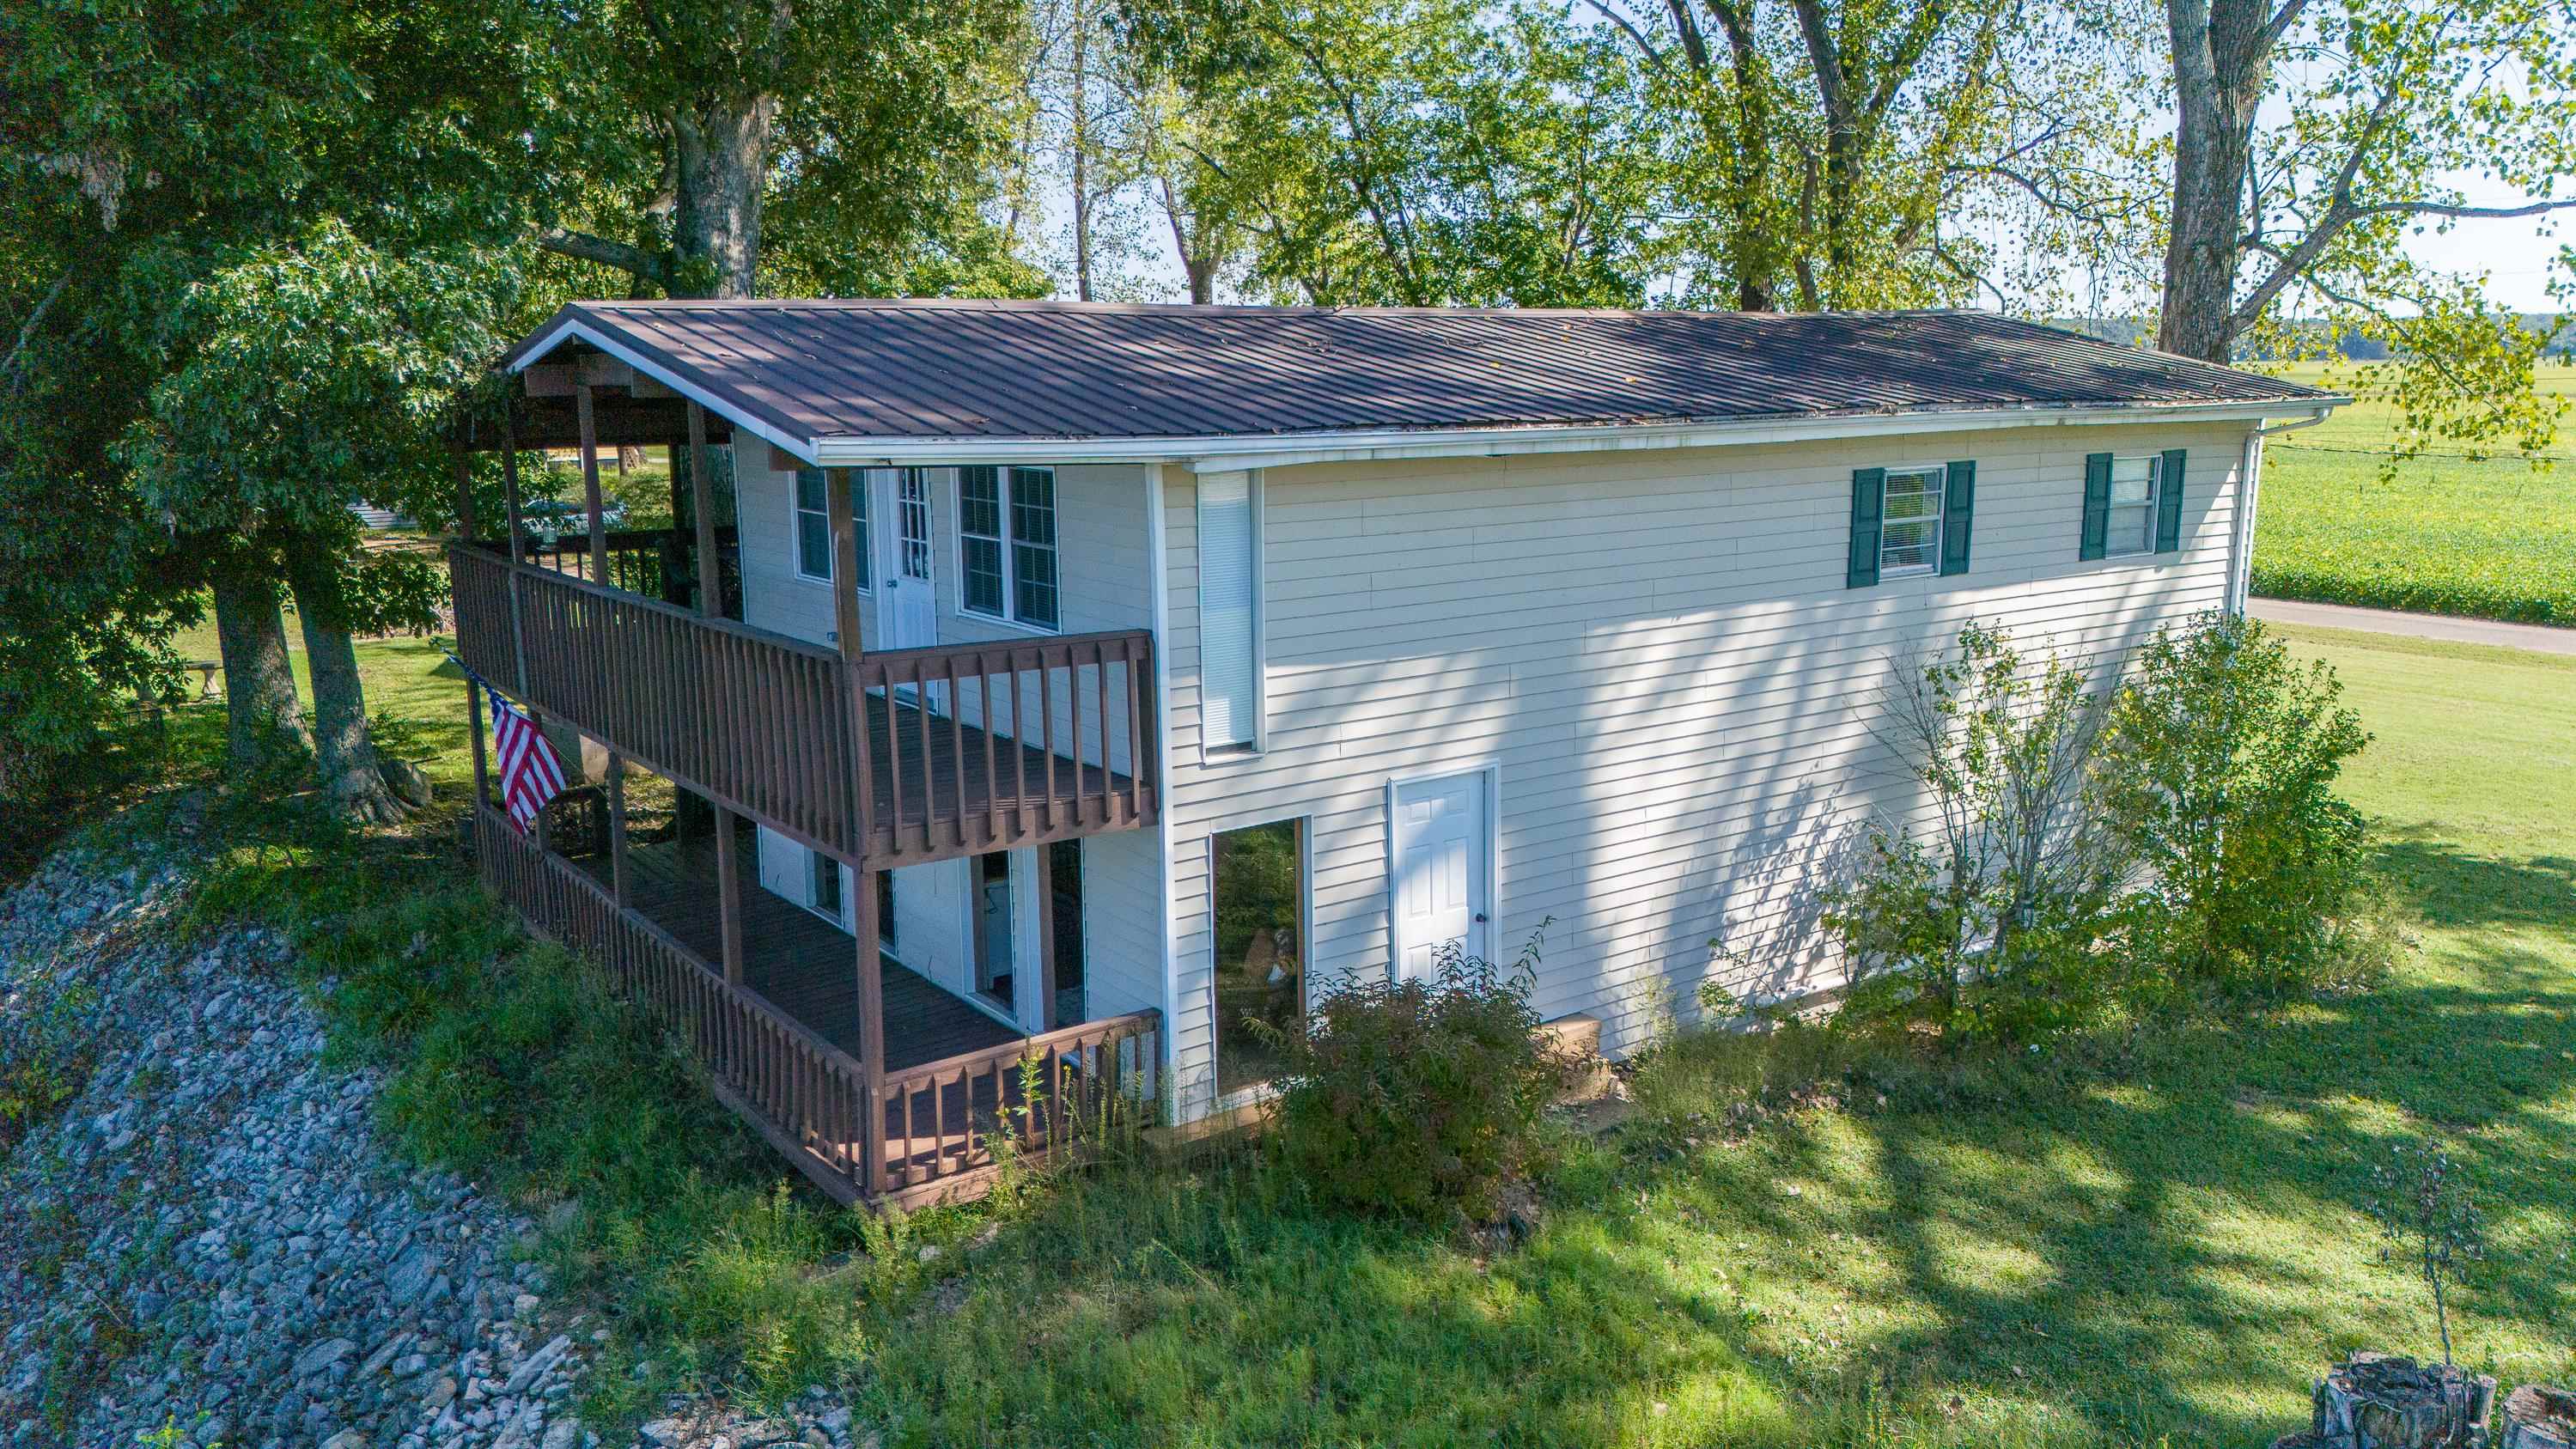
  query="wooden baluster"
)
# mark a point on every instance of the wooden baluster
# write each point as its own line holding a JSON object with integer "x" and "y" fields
{"x": 929, "y": 770}
{"x": 884, "y": 678}
{"x": 1100, "y": 687}
{"x": 957, "y": 745}
{"x": 992, "y": 779}
{"x": 1027, "y": 821}
{"x": 1046, "y": 716}
{"x": 1135, "y": 740}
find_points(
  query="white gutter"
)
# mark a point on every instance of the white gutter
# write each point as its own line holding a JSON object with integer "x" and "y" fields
{"x": 2240, "y": 543}
{"x": 1228, "y": 452}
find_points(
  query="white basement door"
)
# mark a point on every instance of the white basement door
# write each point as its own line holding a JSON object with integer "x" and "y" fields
{"x": 1442, "y": 845}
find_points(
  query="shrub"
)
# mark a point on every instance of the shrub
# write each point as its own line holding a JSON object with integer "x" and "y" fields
{"x": 1987, "y": 922}
{"x": 2218, "y": 771}
{"x": 1421, "y": 1095}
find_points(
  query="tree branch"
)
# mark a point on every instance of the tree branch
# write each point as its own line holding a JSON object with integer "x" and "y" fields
{"x": 35, "y": 319}
{"x": 635, "y": 261}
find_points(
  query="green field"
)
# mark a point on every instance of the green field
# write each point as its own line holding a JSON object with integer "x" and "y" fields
{"x": 2450, "y": 535}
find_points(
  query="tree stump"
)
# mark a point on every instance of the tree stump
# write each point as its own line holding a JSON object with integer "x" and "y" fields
{"x": 2538, "y": 1416}
{"x": 2386, "y": 1401}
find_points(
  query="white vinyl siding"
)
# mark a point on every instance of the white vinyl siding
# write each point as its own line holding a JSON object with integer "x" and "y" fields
{"x": 1229, "y": 611}
{"x": 2132, "y": 516}
{"x": 1657, "y": 654}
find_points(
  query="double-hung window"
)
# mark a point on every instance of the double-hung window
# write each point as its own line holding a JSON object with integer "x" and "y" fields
{"x": 1910, "y": 543}
{"x": 2135, "y": 483}
{"x": 1006, "y": 539}
{"x": 814, "y": 528}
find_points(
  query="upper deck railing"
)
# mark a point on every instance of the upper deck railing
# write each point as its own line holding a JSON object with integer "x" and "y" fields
{"x": 974, "y": 748}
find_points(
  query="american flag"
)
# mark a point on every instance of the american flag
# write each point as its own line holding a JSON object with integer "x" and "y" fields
{"x": 531, "y": 775}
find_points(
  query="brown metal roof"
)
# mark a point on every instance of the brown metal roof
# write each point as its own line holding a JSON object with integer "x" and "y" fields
{"x": 813, "y": 370}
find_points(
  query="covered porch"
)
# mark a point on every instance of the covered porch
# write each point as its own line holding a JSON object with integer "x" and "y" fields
{"x": 881, "y": 1085}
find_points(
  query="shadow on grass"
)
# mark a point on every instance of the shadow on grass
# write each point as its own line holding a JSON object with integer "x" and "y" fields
{"x": 2179, "y": 1252}
{"x": 2168, "y": 1247}
{"x": 2450, "y": 886}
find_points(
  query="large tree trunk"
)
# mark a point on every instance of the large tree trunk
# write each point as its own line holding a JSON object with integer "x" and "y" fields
{"x": 723, "y": 152}
{"x": 2221, "y": 57}
{"x": 351, "y": 775}
{"x": 261, "y": 712}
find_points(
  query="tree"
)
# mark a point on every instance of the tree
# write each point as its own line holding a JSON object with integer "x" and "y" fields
{"x": 297, "y": 373}
{"x": 2310, "y": 142}
{"x": 1409, "y": 151}
{"x": 150, "y": 152}
{"x": 857, "y": 137}
{"x": 1830, "y": 141}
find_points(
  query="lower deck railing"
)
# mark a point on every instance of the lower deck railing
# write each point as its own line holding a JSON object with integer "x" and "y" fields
{"x": 1045, "y": 1096}
{"x": 954, "y": 1119}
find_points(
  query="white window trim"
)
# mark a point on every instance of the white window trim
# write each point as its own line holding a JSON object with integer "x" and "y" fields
{"x": 796, "y": 511}
{"x": 1258, "y": 1092}
{"x": 815, "y": 861}
{"x": 1214, "y": 752}
{"x": 2155, "y": 500}
{"x": 1006, "y": 619}
{"x": 862, "y": 523}
{"x": 1940, "y": 515}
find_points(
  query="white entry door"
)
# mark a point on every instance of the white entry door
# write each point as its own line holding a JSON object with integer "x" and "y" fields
{"x": 907, "y": 592}
{"x": 1443, "y": 851}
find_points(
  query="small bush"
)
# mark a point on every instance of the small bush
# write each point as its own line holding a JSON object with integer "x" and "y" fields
{"x": 2218, "y": 771}
{"x": 1417, "y": 1096}
{"x": 1989, "y": 921}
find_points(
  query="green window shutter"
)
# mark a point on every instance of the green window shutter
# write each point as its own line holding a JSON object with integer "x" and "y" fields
{"x": 1958, "y": 511}
{"x": 2097, "y": 506}
{"x": 2169, "y": 503}
{"x": 1869, "y": 514}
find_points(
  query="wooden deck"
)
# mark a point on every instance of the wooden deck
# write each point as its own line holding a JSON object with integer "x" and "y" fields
{"x": 797, "y": 961}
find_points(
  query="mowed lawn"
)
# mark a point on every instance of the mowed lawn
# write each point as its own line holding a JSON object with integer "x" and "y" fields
{"x": 2446, "y": 535}
{"x": 2170, "y": 1249}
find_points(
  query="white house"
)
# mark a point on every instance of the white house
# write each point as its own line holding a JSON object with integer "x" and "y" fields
{"x": 1351, "y": 632}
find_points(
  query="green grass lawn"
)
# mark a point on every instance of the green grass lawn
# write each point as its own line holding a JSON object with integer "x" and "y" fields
{"x": 2115, "y": 1244}
{"x": 2446, "y": 535}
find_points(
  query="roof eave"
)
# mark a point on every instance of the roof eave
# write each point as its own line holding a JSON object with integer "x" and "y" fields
{"x": 571, "y": 324}
{"x": 1225, "y": 453}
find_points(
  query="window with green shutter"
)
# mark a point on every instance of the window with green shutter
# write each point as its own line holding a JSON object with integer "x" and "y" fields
{"x": 2132, "y": 505}
{"x": 1868, "y": 514}
{"x": 1958, "y": 512}
{"x": 2169, "y": 501}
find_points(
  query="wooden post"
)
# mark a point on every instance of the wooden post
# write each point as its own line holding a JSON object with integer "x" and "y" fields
{"x": 711, "y": 600}
{"x": 590, "y": 484}
{"x": 474, "y": 724}
{"x": 518, "y": 542}
{"x": 617, "y": 882}
{"x": 1045, "y": 888}
{"x": 711, "y": 604}
{"x": 871, "y": 983}
{"x": 464, "y": 494}
{"x": 510, "y": 486}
